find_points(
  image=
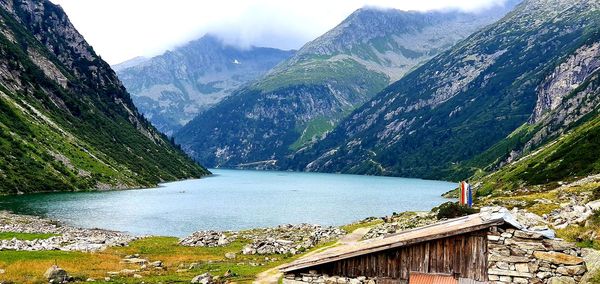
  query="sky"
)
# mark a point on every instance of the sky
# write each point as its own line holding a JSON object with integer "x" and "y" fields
{"x": 122, "y": 29}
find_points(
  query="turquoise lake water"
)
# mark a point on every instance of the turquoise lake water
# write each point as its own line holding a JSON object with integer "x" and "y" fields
{"x": 234, "y": 200}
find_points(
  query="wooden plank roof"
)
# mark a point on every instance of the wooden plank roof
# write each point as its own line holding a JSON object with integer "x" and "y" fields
{"x": 435, "y": 231}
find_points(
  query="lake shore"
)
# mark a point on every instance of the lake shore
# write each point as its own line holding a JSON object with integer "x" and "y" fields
{"x": 31, "y": 244}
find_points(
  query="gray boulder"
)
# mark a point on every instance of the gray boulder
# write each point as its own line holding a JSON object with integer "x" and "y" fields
{"x": 55, "y": 274}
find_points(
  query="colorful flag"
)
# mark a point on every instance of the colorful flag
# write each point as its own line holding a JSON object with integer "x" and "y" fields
{"x": 469, "y": 195}
{"x": 462, "y": 193}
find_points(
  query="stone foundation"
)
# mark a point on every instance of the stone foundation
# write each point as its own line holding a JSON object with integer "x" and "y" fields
{"x": 527, "y": 257}
{"x": 315, "y": 278}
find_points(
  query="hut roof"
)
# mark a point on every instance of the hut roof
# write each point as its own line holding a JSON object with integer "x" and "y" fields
{"x": 435, "y": 231}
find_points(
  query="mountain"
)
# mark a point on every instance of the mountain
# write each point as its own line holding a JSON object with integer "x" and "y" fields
{"x": 66, "y": 122}
{"x": 454, "y": 115}
{"x": 303, "y": 98}
{"x": 572, "y": 156}
{"x": 129, "y": 63}
{"x": 172, "y": 88}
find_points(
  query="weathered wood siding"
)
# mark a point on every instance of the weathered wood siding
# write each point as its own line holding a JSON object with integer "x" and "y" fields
{"x": 463, "y": 254}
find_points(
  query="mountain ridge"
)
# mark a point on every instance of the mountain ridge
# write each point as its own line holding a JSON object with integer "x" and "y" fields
{"x": 66, "y": 122}
{"x": 459, "y": 103}
{"x": 303, "y": 98}
{"x": 171, "y": 88}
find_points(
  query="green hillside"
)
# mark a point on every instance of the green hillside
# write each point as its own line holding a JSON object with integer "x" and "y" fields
{"x": 66, "y": 122}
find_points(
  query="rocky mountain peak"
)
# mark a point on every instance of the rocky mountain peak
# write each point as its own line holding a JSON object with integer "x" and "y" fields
{"x": 172, "y": 88}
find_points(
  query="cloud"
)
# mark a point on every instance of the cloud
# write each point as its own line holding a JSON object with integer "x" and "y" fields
{"x": 123, "y": 29}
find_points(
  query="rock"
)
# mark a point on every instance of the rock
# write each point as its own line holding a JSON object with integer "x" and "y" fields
{"x": 558, "y": 258}
{"x": 2, "y": 271}
{"x": 205, "y": 278}
{"x": 557, "y": 245}
{"x": 68, "y": 238}
{"x": 207, "y": 239}
{"x": 127, "y": 272}
{"x": 139, "y": 261}
{"x": 502, "y": 265}
{"x": 157, "y": 263}
{"x": 137, "y": 276}
{"x": 289, "y": 239}
{"x": 522, "y": 267}
{"x": 501, "y": 272}
{"x": 592, "y": 262}
{"x": 520, "y": 280}
{"x": 593, "y": 205}
{"x": 401, "y": 222}
{"x": 511, "y": 259}
{"x": 230, "y": 255}
{"x": 193, "y": 265}
{"x": 562, "y": 280}
{"x": 528, "y": 235}
{"x": 543, "y": 274}
{"x": 572, "y": 270}
{"x": 248, "y": 250}
{"x": 90, "y": 280}
{"x": 55, "y": 274}
{"x": 228, "y": 273}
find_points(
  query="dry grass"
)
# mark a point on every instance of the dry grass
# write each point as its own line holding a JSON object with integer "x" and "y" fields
{"x": 28, "y": 267}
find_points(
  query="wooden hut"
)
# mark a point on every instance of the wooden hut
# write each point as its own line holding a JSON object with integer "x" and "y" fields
{"x": 453, "y": 251}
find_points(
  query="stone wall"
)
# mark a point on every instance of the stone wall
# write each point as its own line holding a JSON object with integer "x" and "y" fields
{"x": 313, "y": 278}
{"x": 515, "y": 256}
{"x": 526, "y": 257}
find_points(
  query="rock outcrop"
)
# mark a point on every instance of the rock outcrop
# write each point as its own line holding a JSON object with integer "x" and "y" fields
{"x": 401, "y": 222}
{"x": 290, "y": 239}
{"x": 68, "y": 238}
{"x": 208, "y": 239}
{"x": 55, "y": 274}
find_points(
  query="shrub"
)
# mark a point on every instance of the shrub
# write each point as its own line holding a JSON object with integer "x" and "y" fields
{"x": 452, "y": 210}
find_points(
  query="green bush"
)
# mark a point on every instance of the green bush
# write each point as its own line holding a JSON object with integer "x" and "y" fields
{"x": 451, "y": 209}
{"x": 595, "y": 194}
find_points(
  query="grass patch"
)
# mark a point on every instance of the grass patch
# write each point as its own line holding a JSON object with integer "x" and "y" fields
{"x": 357, "y": 225}
{"x": 24, "y": 236}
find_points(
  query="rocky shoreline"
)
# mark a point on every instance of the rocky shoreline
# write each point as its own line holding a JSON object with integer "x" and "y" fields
{"x": 67, "y": 238}
{"x": 296, "y": 239}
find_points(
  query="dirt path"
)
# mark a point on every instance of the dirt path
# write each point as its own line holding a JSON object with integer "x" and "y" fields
{"x": 272, "y": 275}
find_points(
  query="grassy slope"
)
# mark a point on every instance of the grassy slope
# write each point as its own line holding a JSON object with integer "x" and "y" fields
{"x": 572, "y": 156}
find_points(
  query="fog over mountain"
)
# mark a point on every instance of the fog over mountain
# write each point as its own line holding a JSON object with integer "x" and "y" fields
{"x": 156, "y": 26}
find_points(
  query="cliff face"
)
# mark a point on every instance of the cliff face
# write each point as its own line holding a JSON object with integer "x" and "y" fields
{"x": 66, "y": 122}
{"x": 564, "y": 79}
{"x": 172, "y": 88}
{"x": 302, "y": 99}
{"x": 436, "y": 120}
{"x": 566, "y": 98}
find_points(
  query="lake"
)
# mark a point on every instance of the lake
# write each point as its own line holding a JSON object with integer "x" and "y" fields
{"x": 234, "y": 200}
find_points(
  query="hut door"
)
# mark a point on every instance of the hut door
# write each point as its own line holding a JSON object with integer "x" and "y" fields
{"x": 426, "y": 278}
